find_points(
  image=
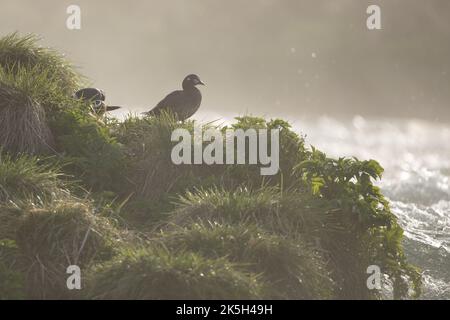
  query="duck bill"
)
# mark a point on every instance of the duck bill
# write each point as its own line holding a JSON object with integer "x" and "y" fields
{"x": 111, "y": 108}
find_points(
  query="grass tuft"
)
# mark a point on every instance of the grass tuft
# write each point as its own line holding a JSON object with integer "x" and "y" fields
{"x": 291, "y": 269}
{"x": 157, "y": 273}
{"x": 17, "y": 51}
{"x": 25, "y": 177}
{"x": 60, "y": 234}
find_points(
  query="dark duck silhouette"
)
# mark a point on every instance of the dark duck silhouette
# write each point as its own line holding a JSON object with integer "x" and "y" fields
{"x": 97, "y": 99}
{"x": 182, "y": 103}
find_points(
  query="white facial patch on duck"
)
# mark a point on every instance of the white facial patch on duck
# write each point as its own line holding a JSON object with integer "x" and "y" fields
{"x": 98, "y": 103}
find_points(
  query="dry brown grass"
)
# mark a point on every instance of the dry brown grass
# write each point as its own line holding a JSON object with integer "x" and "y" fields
{"x": 23, "y": 126}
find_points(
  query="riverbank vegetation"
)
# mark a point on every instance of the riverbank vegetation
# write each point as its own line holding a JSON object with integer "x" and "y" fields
{"x": 103, "y": 194}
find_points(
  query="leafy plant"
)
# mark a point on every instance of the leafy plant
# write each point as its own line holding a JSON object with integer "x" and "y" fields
{"x": 371, "y": 229}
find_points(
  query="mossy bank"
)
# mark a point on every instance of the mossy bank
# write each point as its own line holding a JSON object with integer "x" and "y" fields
{"x": 103, "y": 194}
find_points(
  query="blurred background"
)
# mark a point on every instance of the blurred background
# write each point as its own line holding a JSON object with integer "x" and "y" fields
{"x": 267, "y": 57}
{"x": 382, "y": 94}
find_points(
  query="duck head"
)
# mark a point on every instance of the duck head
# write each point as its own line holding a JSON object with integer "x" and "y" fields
{"x": 191, "y": 81}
